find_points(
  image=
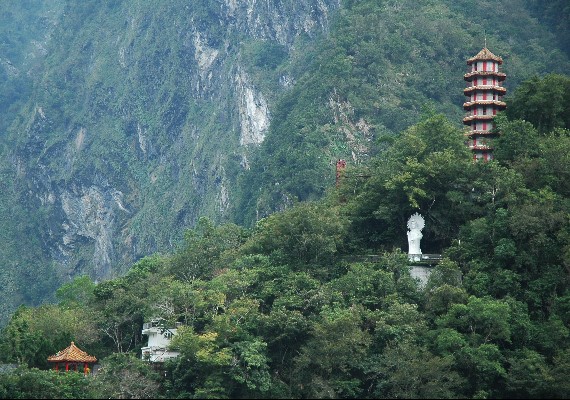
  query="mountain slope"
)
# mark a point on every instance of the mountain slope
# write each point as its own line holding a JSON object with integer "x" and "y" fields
{"x": 144, "y": 115}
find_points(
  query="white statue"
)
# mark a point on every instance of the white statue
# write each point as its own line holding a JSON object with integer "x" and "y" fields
{"x": 415, "y": 226}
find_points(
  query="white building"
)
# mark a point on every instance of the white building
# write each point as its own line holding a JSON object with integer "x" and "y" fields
{"x": 159, "y": 338}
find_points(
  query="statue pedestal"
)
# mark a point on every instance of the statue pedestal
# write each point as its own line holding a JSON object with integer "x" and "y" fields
{"x": 421, "y": 273}
{"x": 421, "y": 266}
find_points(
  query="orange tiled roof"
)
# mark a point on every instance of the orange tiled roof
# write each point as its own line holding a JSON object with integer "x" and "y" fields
{"x": 485, "y": 54}
{"x": 72, "y": 353}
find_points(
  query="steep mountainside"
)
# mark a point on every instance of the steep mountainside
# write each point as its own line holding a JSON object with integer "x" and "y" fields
{"x": 381, "y": 66}
{"x": 144, "y": 115}
{"x": 140, "y": 118}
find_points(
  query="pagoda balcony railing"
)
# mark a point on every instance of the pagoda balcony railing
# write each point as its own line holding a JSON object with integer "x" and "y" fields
{"x": 480, "y": 133}
{"x": 478, "y": 117}
{"x": 501, "y": 75}
{"x": 496, "y": 88}
{"x": 480, "y": 147}
{"x": 498, "y": 103}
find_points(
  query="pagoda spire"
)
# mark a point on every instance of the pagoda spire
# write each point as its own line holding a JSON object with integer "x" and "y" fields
{"x": 484, "y": 93}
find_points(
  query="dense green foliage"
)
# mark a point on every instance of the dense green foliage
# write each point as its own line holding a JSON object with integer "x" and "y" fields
{"x": 120, "y": 121}
{"x": 381, "y": 65}
{"x": 317, "y": 301}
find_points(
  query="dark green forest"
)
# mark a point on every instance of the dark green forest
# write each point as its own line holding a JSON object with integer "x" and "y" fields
{"x": 317, "y": 301}
{"x": 120, "y": 121}
{"x": 285, "y": 285}
{"x": 380, "y": 66}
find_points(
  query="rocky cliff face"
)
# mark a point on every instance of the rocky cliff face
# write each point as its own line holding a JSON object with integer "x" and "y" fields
{"x": 141, "y": 118}
{"x": 123, "y": 122}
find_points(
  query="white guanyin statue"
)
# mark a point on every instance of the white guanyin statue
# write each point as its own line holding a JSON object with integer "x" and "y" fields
{"x": 415, "y": 226}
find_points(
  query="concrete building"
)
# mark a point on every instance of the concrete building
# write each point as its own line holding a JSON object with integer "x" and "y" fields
{"x": 159, "y": 337}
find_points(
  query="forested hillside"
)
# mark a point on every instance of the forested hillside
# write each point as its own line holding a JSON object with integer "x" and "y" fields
{"x": 123, "y": 123}
{"x": 317, "y": 301}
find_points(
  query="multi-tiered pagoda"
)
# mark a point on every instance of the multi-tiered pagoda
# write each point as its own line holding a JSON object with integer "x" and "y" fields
{"x": 485, "y": 92}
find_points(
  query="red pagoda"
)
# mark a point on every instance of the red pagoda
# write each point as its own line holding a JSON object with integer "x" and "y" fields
{"x": 340, "y": 167}
{"x": 73, "y": 358}
{"x": 485, "y": 93}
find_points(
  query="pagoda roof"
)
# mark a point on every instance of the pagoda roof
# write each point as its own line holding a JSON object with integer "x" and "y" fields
{"x": 484, "y": 54}
{"x": 72, "y": 353}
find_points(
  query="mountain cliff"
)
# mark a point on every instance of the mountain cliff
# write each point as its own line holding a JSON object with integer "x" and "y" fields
{"x": 123, "y": 122}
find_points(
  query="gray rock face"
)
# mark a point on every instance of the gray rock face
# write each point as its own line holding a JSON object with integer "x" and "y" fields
{"x": 132, "y": 133}
{"x": 280, "y": 20}
{"x": 91, "y": 213}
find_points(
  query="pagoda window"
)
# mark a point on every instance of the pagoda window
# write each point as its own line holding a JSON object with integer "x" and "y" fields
{"x": 484, "y": 95}
{"x": 484, "y": 66}
{"x": 484, "y": 126}
{"x": 475, "y": 82}
{"x": 475, "y": 111}
{"x": 484, "y": 110}
{"x": 484, "y": 81}
{"x": 474, "y": 66}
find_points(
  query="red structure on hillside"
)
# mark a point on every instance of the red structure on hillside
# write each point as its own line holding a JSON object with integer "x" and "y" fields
{"x": 485, "y": 93}
{"x": 73, "y": 358}
{"x": 340, "y": 167}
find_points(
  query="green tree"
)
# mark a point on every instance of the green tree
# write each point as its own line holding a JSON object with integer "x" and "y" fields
{"x": 328, "y": 364}
{"x": 204, "y": 250}
{"x": 77, "y": 293}
{"x": 24, "y": 383}
{"x": 34, "y": 334}
{"x": 124, "y": 376}
{"x": 200, "y": 369}
{"x": 543, "y": 101}
{"x": 426, "y": 169}
{"x": 482, "y": 320}
{"x": 528, "y": 376}
{"x": 309, "y": 233}
{"x": 408, "y": 371}
{"x": 517, "y": 140}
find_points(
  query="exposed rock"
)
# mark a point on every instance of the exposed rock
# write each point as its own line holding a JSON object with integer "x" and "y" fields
{"x": 253, "y": 111}
{"x": 120, "y": 170}
{"x": 91, "y": 213}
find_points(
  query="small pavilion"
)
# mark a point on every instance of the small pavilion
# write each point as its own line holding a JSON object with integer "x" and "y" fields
{"x": 73, "y": 358}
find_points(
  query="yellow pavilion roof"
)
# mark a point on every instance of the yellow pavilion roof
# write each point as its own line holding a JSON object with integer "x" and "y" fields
{"x": 72, "y": 353}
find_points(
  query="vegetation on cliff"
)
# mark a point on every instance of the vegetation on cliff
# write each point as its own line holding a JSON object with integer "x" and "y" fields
{"x": 317, "y": 301}
{"x": 122, "y": 123}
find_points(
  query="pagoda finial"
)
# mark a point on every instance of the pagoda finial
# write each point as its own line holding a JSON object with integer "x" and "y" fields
{"x": 485, "y": 35}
